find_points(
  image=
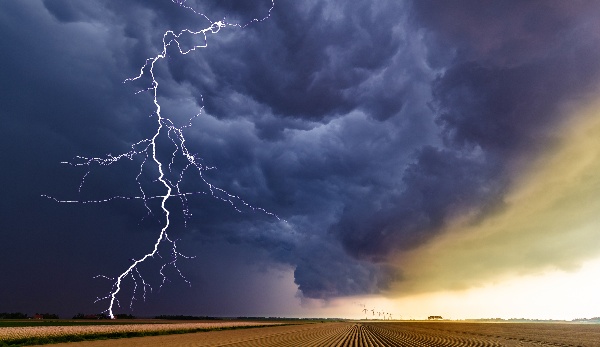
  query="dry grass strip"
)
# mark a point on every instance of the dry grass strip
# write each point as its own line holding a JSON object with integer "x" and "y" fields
{"x": 54, "y": 333}
{"x": 289, "y": 335}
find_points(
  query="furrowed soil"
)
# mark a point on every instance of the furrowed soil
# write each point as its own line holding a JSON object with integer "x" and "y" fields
{"x": 374, "y": 334}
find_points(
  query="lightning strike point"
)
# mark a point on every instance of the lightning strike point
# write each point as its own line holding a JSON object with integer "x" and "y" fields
{"x": 170, "y": 182}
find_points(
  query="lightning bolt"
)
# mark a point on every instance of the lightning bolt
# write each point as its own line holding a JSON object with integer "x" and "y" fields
{"x": 148, "y": 149}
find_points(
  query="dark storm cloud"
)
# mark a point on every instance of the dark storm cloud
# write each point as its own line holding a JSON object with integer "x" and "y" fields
{"x": 311, "y": 61}
{"x": 506, "y": 33}
{"x": 365, "y": 125}
{"x": 297, "y": 77}
{"x": 513, "y": 64}
{"x": 438, "y": 185}
{"x": 509, "y": 68}
{"x": 58, "y": 100}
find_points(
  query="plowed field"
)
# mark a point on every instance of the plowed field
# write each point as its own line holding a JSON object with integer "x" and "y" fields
{"x": 409, "y": 334}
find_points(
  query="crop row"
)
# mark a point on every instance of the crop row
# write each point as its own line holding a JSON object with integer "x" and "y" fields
{"x": 402, "y": 334}
{"x": 362, "y": 334}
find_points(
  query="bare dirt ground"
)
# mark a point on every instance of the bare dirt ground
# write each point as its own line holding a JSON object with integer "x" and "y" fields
{"x": 372, "y": 334}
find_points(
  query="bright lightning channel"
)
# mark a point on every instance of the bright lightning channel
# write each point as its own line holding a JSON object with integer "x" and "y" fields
{"x": 147, "y": 149}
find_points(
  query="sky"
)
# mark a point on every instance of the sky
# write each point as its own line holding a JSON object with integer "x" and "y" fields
{"x": 412, "y": 157}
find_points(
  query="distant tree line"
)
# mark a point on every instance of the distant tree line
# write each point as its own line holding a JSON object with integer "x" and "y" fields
{"x": 13, "y": 315}
{"x": 290, "y": 319}
{"x": 102, "y": 316}
{"x": 527, "y": 320}
{"x": 20, "y": 315}
{"x": 124, "y": 316}
{"x": 46, "y": 316}
{"x": 181, "y": 317}
{"x": 587, "y": 320}
{"x": 91, "y": 316}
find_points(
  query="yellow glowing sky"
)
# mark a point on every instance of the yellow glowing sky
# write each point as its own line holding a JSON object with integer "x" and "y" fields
{"x": 549, "y": 295}
{"x": 538, "y": 256}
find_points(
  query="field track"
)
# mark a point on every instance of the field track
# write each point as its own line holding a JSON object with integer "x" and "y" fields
{"x": 372, "y": 334}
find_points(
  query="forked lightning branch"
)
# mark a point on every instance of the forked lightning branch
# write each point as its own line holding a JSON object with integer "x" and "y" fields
{"x": 169, "y": 179}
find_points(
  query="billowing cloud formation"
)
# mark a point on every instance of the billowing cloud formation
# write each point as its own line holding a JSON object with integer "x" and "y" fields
{"x": 370, "y": 127}
{"x": 492, "y": 115}
{"x": 549, "y": 221}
